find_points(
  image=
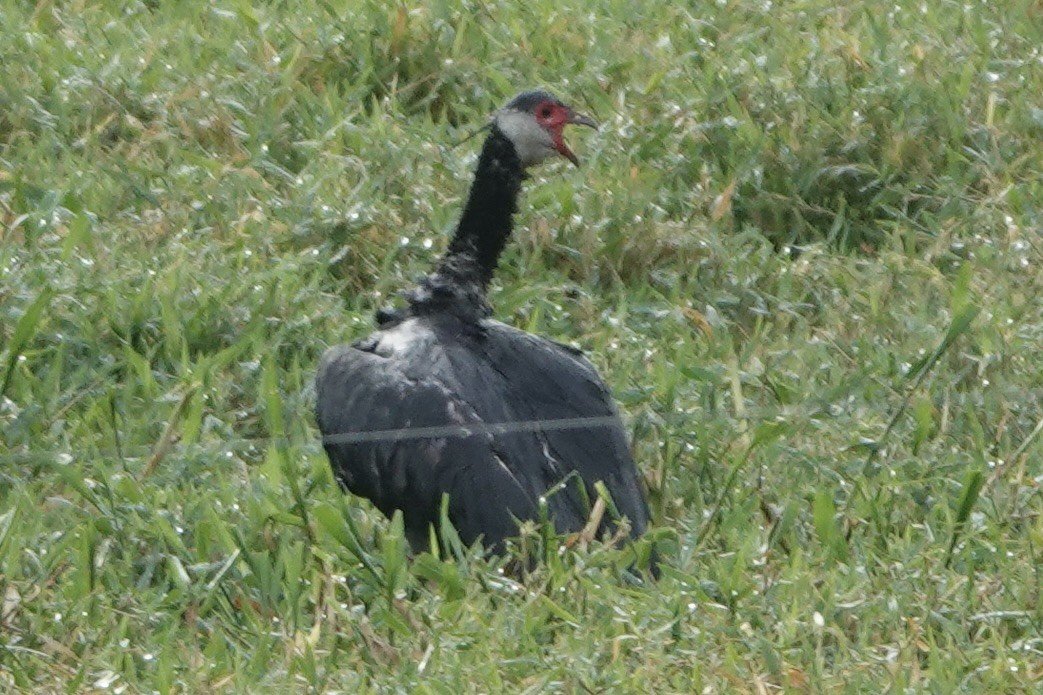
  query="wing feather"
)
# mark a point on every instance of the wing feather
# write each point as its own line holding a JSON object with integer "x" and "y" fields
{"x": 359, "y": 391}
{"x": 458, "y": 377}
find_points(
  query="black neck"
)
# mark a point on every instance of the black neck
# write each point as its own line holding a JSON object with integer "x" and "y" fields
{"x": 487, "y": 220}
{"x": 461, "y": 277}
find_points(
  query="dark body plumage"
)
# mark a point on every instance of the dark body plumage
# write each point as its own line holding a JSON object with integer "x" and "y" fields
{"x": 442, "y": 361}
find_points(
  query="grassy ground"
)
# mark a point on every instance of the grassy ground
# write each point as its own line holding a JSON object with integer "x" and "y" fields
{"x": 842, "y": 447}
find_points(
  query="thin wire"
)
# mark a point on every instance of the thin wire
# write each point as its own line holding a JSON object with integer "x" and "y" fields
{"x": 227, "y": 446}
{"x": 470, "y": 429}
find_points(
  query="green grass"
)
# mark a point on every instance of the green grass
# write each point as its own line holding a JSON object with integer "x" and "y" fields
{"x": 842, "y": 446}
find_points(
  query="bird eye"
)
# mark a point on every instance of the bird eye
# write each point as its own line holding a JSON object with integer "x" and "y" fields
{"x": 546, "y": 111}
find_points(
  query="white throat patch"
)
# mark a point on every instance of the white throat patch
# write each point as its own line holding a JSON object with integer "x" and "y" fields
{"x": 531, "y": 141}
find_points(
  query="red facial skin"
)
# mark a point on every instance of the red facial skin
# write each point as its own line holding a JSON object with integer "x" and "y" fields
{"x": 554, "y": 117}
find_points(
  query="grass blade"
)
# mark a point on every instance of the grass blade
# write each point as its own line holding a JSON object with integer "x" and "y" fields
{"x": 24, "y": 330}
{"x": 971, "y": 491}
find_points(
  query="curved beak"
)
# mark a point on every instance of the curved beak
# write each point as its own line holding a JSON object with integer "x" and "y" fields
{"x": 575, "y": 118}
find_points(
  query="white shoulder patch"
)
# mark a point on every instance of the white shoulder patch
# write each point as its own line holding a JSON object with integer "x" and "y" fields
{"x": 405, "y": 337}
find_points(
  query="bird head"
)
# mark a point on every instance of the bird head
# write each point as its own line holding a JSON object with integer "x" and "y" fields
{"x": 534, "y": 122}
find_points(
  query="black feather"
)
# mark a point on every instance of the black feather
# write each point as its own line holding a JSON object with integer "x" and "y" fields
{"x": 441, "y": 361}
{"x": 529, "y": 100}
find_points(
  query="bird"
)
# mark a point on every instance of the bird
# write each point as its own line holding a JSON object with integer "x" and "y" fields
{"x": 510, "y": 426}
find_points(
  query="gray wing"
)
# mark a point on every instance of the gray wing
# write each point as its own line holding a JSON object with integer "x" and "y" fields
{"x": 359, "y": 391}
{"x": 438, "y": 374}
{"x": 530, "y": 378}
